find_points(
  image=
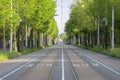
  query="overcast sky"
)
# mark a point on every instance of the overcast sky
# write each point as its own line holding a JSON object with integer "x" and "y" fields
{"x": 62, "y": 13}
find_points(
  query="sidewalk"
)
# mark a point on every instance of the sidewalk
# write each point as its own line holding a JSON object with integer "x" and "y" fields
{"x": 111, "y": 62}
{"x": 9, "y": 65}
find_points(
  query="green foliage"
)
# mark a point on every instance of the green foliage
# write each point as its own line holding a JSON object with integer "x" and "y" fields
{"x": 79, "y": 20}
{"x": 37, "y": 15}
{"x": 85, "y": 20}
{"x": 63, "y": 36}
{"x": 56, "y": 39}
{"x": 52, "y": 31}
{"x": 5, "y": 55}
{"x": 100, "y": 50}
{"x": 29, "y": 50}
{"x": 38, "y": 12}
{"x": 112, "y": 53}
{"x": 116, "y": 52}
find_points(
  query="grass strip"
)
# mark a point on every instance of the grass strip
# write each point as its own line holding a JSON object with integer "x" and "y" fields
{"x": 5, "y": 55}
{"x": 113, "y": 53}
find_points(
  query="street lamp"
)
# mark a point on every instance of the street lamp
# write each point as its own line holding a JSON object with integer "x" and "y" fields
{"x": 106, "y": 33}
{"x": 11, "y": 31}
{"x": 113, "y": 29}
{"x": 18, "y": 39}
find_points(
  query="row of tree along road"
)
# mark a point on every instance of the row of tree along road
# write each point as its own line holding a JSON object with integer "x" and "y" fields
{"x": 94, "y": 23}
{"x": 27, "y": 23}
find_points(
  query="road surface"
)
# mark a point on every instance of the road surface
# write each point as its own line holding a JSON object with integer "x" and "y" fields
{"x": 61, "y": 62}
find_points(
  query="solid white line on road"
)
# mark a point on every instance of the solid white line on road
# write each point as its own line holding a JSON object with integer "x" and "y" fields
{"x": 21, "y": 66}
{"x": 74, "y": 74}
{"x": 103, "y": 65}
{"x": 63, "y": 70}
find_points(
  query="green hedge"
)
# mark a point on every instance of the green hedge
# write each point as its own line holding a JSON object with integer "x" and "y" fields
{"x": 116, "y": 52}
{"x": 113, "y": 53}
{"x": 5, "y": 55}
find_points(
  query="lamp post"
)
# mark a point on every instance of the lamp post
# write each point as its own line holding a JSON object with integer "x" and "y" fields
{"x": 11, "y": 31}
{"x": 18, "y": 34}
{"x": 106, "y": 33}
{"x": 26, "y": 30}
{"x": 112, "y": 28}
{"x": 106, "y": 28}
{"x": 98, "y": 31}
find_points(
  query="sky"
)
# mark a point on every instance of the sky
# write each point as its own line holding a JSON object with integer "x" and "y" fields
{"x": 62, "y": 13}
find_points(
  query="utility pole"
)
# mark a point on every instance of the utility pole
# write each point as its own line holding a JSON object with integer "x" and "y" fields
{"x": 18, "y": 31}
{"x": 26, "y": 30}
{"x": 98, "y": 32}
{"x": 61, "y": 13}
{"x": 26, "y": 40}
{"x": 11, "y": 31}
{"x": 112, "y": 28}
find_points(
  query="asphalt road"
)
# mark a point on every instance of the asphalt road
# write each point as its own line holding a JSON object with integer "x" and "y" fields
{"x": 61, "y": 62}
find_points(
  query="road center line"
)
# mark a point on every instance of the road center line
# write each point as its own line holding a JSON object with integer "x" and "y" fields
{"x": 20, "y": 67}
{"x": 63, "y": 70}
{"x": 103, "y": 65}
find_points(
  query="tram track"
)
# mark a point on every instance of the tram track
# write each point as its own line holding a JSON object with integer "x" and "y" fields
{"x": 52, "y": 69}
{"x": 83, "y": 69}
{"x": 42, "y": 69}
{"x": 63, "y": 62}
{"x": 72, "y": 67}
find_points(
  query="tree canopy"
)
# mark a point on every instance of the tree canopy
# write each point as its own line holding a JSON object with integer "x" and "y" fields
{"x": 87, "y": 17}
{"x": 37, "y": 15}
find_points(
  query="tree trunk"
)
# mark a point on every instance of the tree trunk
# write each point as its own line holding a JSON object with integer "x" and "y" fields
{"x": 79, "y": 40}
{"x": 95, "y": 37}
{"x": 38, "y": 40}
{"x": 4, "y": 39}
{"x": 31, "y": 38}
{"x": 85, "y": 38}
{"x": 98, "y": 32}
{"x": 106, "y": 37}
{"x": 74, "y": 40}
{"x": 18, "y": 40}
{"x": 46, "y": 40}
{"x": 14, "y": 41}
{"x": 41, "y": 39}
{"x": 29, "y": 43}
{"x": 90, "y": 39}
{"x": 34, "y": 39}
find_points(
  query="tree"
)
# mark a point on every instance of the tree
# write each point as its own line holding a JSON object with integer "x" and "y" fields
{"x": 30, "y": 18}
{"x": 86, "y": 21}
{"x": 80, "y": 21}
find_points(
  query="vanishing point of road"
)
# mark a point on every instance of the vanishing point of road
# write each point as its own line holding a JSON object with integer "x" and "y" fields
{"x": 61, "y": 62}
